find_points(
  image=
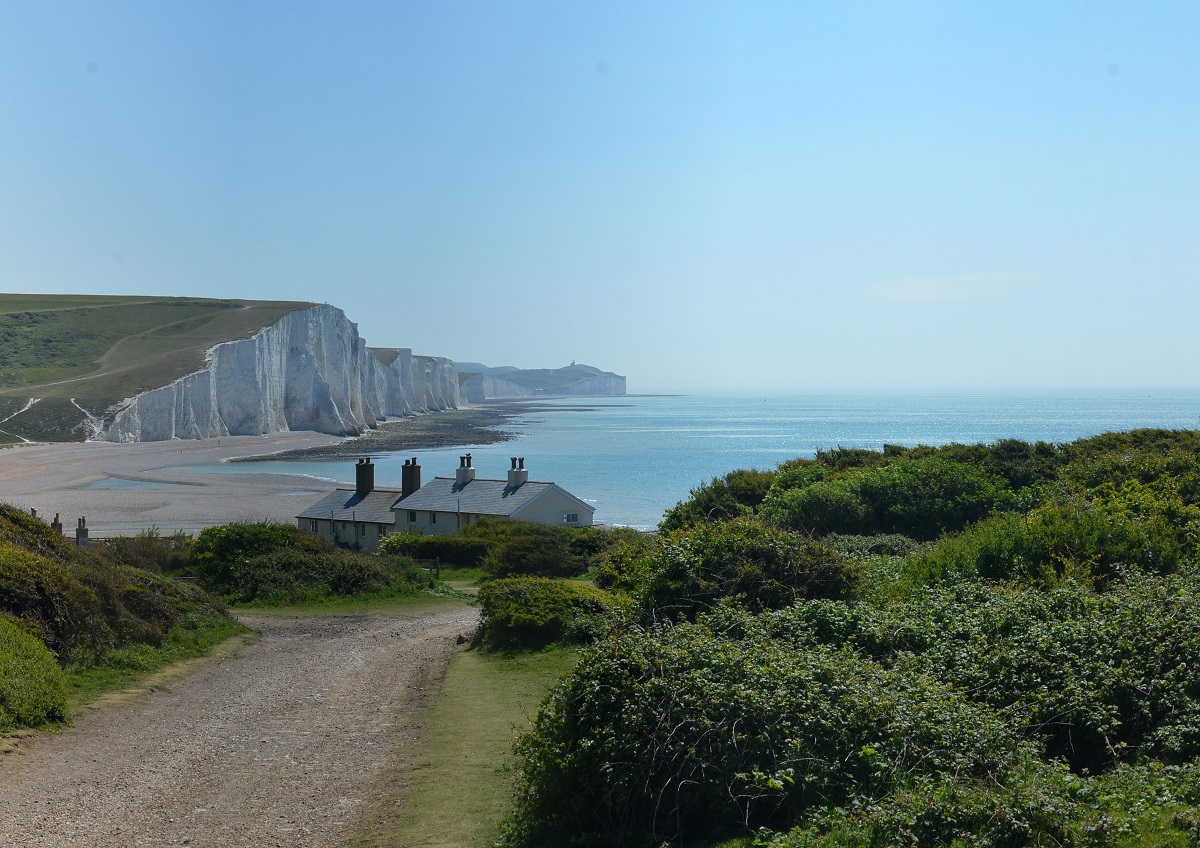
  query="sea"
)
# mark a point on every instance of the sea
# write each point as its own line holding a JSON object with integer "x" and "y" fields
{"x": 633, "y": 457}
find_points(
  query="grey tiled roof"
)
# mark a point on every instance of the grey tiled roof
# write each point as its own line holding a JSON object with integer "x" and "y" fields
{"x": 478, "y": 497}
{"x": 346, "y": 505}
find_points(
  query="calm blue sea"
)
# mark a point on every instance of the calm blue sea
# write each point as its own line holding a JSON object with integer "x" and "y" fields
{"x": 634, "y": 457}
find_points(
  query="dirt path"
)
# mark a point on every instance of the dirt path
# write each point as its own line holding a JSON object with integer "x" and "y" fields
{"x": 276, "y": 745}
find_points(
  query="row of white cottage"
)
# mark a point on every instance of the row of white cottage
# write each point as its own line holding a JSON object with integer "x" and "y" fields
{"x": 363, "y": 515}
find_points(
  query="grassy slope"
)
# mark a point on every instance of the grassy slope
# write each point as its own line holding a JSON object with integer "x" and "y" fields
{"x": 102, "y": 349}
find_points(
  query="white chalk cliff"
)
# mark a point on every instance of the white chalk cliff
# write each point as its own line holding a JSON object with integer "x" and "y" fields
{"x": 308, "y": 371}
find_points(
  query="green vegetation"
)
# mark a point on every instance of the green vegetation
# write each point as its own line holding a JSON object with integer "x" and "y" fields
{"x": 32, "y": 687}
{"x": 458, "y": 783}
{"x": 509, "y": 548}
{"x": 99, "y": 350}
{"x": 278, "y": 564}
{"x": 968, "y": 645}
{"x": 533, "y": 612}
{"x": 64, "y": 608}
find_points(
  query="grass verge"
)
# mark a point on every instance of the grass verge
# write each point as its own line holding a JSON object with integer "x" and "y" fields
{"x": 454, "y": 787}
{"x": 194, "y": 635}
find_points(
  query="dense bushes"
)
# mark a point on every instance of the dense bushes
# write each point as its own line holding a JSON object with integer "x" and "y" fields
{"x": 948, "y": 706}
{"x": 687, "y": 730}
{"x": 757, "y": 566}
{"x": 737, "y": 493}
{"x": 32, "y": 686}
{"x": 920, "y": 498}
{"x": 532, "y": 612}
{"x": 280, "y": 564}
{"x": 998, "y": 649}
{"x": 509, "y": 548}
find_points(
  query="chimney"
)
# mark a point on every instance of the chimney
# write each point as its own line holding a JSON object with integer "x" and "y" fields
{"x": 33, "y": 511}
{"x": 56, "y": 524}
{"x": 465, "y": 473}
{"x": 518, "y": 475}
{"x": 410, "y": 477}
{"x": 81, "y": 533}
{"x": 364, "y": 477}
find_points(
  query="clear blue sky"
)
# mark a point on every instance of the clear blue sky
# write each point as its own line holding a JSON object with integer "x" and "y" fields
{"x": 699, "y": 196}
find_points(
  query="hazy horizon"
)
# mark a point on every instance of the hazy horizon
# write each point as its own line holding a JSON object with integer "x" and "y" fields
{"x": 764, "y": 196}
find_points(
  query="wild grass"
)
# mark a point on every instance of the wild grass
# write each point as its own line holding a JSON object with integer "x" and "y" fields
{"x": 454, "y": 789}
{"x": 106, "y": 348}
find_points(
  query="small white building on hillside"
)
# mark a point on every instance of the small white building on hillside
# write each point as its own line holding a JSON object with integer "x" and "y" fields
{"x": 362, "y": 516}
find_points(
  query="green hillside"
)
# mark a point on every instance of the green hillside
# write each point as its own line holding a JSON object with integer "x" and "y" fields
{"x": 99, "y": 350}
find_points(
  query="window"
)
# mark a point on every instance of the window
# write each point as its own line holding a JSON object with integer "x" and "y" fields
{"x": 312, "y": 525}
{"x": 571, "y": 518}
{"x": 433, "y": 518}
{"x": 362, "y": 530}
{"x": 412, "y": 516}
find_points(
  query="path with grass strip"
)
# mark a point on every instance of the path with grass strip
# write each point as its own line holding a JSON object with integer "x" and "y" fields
{"x": 277, "y": 744}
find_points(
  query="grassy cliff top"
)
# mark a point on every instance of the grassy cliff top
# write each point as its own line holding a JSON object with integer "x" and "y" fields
{"x": 108, "y": 348}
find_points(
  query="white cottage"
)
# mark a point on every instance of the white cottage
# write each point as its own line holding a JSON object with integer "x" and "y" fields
{"x": 446, "y": 503}
{"x": 362, "y": 516}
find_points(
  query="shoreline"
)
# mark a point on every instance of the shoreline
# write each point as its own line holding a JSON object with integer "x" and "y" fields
{"x": 123, "y": 489}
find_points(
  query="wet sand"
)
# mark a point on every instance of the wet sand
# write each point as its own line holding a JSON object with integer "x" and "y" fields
{"x": 153, "y": 487}
{"x": 124, "y": 488}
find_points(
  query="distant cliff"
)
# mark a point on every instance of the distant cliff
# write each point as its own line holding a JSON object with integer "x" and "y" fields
{"x": 308, "y": 371}
{"x": 481, "y": 383}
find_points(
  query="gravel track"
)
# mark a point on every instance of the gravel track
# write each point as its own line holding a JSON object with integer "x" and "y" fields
{"x": 276, "y": 745}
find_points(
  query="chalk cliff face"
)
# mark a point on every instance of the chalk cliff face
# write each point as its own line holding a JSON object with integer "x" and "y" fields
{"x": 308, "y": 371}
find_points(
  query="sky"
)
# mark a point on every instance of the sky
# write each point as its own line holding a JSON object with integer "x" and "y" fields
{"x": 700, "y": 196}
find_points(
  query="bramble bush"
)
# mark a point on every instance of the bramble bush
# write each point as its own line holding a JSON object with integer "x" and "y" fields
{"x": 690, "y": 730}
{"x": 736, "y": 494}
{"x": 532, "y": 612}
{"x": 755, "y": 565}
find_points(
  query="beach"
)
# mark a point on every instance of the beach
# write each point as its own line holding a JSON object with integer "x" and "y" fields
{"x": 122, "y": 489}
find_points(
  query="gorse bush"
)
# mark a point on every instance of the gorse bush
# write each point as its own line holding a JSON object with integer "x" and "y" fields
{"x": 919, "y": 498}
{"x": 32, "y": 686}
{"x": 451, "y": 550}
{"x": 735, "y": 494}
{"x": 532, "y": 612}
{"x": 149, "y": 550}
{"x": 289, "y": 575}
{"x": 77, "y": 602}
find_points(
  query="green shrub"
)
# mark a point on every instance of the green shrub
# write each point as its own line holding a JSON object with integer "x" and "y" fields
{"x": 453, "y": 550}
{"x": 149, "y": 550}
{"x": 755, "y": 565}
{"x": 1082, "y": 540}
{"x": 1095, "y": 678}
{"x": 865, "y": 547}
{"x": 738, "y": 493}
{"x": 687, "y": 730}
{"x": 32, "y": 686}
{"x": 217, "y": 550}
{"x": 289, "y": 575}
{"x": 532, "y": 612}
{"x": 537, "y": 551}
